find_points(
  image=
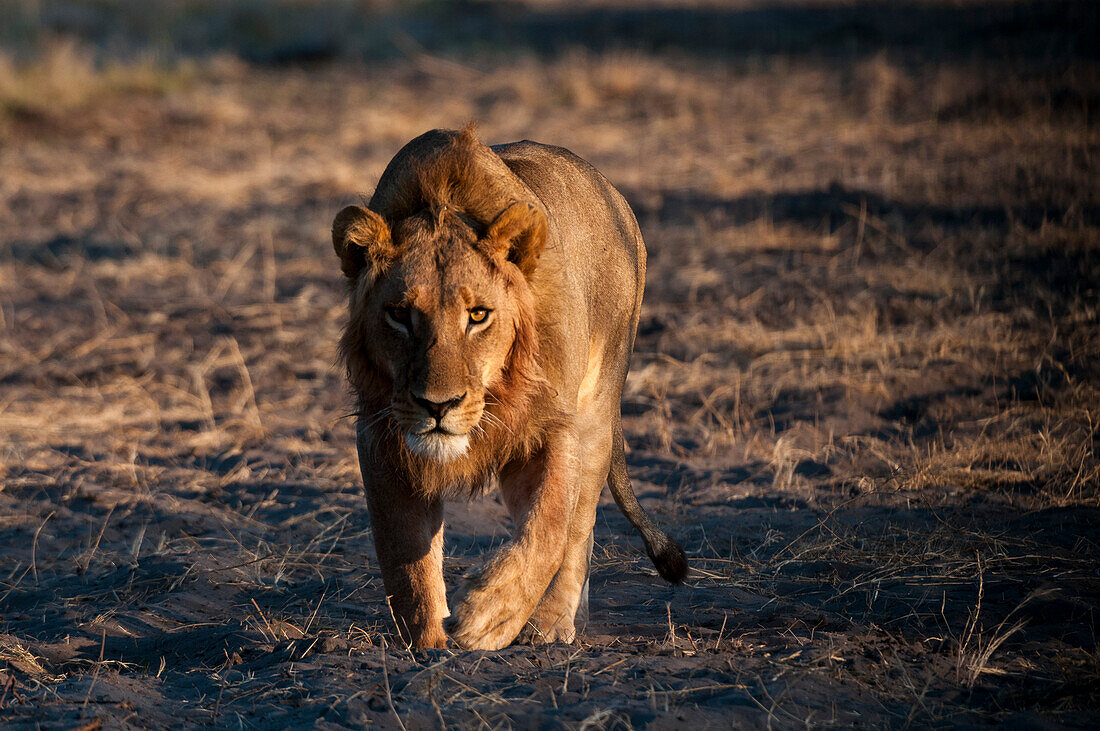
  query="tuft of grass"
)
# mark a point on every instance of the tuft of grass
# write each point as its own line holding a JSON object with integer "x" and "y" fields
{"x": 17, "y": 656}
{"x": 63, "y": 77}
{"x": 976, "y": 646}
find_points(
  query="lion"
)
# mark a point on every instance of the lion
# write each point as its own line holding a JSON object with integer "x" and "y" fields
{"x": 494, "y": 299}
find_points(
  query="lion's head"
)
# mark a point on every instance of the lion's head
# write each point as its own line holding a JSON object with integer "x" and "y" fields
{"x": 440, "y": 336}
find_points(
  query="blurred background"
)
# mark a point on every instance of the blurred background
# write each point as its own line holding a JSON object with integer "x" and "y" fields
{"x": 865, "y": 393}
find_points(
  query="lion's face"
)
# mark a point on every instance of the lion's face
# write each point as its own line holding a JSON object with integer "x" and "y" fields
{"x": 443, "y": 324}
{"x": 438, "y": 311}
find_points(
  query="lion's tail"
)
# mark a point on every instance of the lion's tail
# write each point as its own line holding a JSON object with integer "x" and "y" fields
{"x": 665, "y": 553}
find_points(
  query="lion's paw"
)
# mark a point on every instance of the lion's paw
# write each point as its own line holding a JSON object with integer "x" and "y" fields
{"x": 433, "y": 638}
{"x": 483, "y": 621}
{"x": 539, "y": 632}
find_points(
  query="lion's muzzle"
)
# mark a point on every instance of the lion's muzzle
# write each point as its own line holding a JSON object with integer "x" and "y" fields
{"x": 439, "y": 429}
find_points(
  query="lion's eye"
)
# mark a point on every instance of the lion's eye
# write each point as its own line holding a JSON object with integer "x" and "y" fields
{"x": 478, "y": 315}
{"x": 399, "y": 317}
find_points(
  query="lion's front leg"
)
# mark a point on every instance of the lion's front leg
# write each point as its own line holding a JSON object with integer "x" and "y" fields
{"x": 408, "y": 538}
{"x": 495, "y": 604}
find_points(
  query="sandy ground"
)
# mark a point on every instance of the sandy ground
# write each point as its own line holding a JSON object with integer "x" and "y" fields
{"x": 865, "y": 394}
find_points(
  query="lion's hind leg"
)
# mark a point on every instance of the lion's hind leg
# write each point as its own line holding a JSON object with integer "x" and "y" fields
{"x": 566, "y": 600}
{"x": 582, "y": 607}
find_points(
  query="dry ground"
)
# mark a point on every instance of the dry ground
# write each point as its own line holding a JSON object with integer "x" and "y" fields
{"x": 865, "y": 396}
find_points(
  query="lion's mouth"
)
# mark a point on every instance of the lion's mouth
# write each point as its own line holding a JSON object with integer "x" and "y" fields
{"x": 438, "y": 444}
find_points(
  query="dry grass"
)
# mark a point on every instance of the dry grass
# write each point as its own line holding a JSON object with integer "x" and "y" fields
{"x": 64, "y": 79}
{"x": 865, "y": 388}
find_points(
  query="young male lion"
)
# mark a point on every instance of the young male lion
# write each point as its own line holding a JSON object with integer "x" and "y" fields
{"x": 494, "y": 301}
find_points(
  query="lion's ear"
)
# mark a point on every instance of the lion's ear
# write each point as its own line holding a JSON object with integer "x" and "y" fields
{"x": 518, "y": 235}
{"x": 360, "y": 235}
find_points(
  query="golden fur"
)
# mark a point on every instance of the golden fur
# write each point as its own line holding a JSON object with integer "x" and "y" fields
{"x": 474, "y": 355}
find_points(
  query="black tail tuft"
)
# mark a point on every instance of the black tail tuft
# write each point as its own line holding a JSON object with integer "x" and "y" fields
{"x": 669, "y": 559}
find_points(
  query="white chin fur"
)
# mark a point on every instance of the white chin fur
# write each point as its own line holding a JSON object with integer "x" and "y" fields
{"x": 438, "y": 446}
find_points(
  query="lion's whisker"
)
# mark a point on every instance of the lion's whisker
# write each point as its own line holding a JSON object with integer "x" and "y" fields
{"x": 375, "y": 417}
{"x": 493, "y": 419}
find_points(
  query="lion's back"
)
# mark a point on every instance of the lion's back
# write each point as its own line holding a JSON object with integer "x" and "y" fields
{"x": 577, "y": 193}
{"x": 594, "y": 229}
{"x": 595, "y": 258}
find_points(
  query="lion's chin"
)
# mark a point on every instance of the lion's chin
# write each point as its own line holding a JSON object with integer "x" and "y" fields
{"x": 438, "y": 446}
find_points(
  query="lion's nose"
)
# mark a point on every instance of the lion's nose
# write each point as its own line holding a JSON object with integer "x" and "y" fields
{"x": 439, "y": 408}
